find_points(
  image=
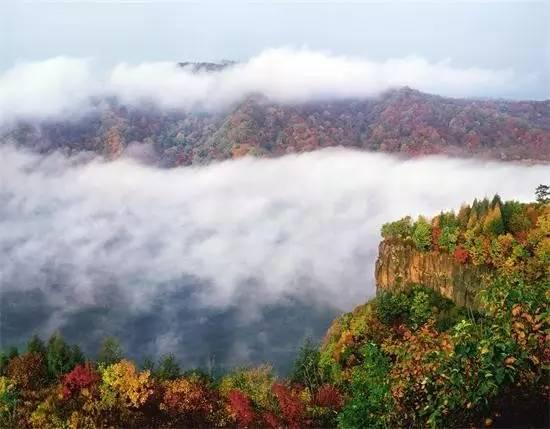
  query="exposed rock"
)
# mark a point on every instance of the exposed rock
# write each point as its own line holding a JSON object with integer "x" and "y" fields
{"x": 400, "y": 264}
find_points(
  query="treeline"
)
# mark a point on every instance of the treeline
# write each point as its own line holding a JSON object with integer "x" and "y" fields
{"x": 509, "y": 236}
{"x": 54, "y": 385}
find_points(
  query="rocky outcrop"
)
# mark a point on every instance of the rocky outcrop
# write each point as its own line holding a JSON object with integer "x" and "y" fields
{"x": 400, "y": 264}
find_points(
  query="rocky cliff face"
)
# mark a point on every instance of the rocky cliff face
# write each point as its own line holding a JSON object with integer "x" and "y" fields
{"x": 399, "y": 264}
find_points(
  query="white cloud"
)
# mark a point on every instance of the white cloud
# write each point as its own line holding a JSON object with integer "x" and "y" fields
{"x": 62, "y": 86}
{"x": 300, "y": 225}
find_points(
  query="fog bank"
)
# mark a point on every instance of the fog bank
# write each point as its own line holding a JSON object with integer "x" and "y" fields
{"x": 245, "y": 236}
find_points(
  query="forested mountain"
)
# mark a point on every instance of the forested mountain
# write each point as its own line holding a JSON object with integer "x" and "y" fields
{"x": 411, "y": 357}
{"x": 402, "y": 121}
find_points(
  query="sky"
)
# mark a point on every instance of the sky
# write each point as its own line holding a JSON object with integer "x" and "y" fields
{"x": 495, "y": 35}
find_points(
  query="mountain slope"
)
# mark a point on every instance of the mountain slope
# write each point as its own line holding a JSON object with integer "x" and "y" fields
{"x": 401, "y": 121}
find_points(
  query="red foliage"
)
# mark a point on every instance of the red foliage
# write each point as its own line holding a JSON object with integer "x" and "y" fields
{"x": 329, "y": 396}
{"x": 461, "y": 255}
{"x": 242, "y": 408}
{"x": 81, "y": 377}
{"x": 190, "y": 400}
{"x": 270, "y": 420}
{"x": 291, "y": 407}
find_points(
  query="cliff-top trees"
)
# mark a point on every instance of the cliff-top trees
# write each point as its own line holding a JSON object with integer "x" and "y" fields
{"x": 502, "y": 235}
{"x": 422, "y": 234}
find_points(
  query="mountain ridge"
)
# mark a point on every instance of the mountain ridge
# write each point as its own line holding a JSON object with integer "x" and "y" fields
{"x": 400, "y": 121}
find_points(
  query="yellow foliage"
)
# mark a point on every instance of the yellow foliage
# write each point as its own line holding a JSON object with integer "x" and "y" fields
{"x": 122, "y": 383}
{"x": 46, "y": 414}
{"x": 6, "y": 387}
{"x": 255, "y": 382}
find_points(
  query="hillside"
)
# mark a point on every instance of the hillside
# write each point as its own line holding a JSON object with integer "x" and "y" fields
{"x": 411, "y": 357}
{"x": 459, "y": 331}
{"x": 401, "y": 121}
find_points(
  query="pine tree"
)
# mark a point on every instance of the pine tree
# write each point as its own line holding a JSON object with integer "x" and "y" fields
{"x": 110, "y": 351}
{"x": 493, "y": 224}
{"x": 168, "y": 368}
{"x": 542, "y": 194}
{"x": 59, "y": 356}
{"x": 36, "y": 345}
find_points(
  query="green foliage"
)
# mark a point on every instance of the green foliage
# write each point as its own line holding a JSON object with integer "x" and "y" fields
{"x": 306, "y": 369}
{"x": 420, "y": 308}
{"x": 36, "y": 345}
{"x": 401, "y": 229}
{"x": 493, "y": 224}
{"x": 5, "y": 357}
{"x": 514, "y": 217}
{"x": 449, "y": 238}
{"x": 168, "y": 368}
{"x": 422, "y": 234}
{"x": 61, "y": 358}
{"x": 370, "y": 402}
{"x": 542, "y": 194}
{"x": 392, "y": 307}
{"x": 110, "y": 351}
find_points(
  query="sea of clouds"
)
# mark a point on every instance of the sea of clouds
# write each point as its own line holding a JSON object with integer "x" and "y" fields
{"x": 253, "y": 233}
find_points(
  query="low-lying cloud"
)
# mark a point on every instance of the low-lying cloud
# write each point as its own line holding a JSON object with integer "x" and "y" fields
{"x": 61, "y": 86}
{"x": 240, "y": 235}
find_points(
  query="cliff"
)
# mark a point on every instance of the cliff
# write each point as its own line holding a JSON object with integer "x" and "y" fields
{"x": 399, "y": 264}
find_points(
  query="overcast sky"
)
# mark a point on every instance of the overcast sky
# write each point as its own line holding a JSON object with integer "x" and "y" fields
{"x": 488, "y": 34}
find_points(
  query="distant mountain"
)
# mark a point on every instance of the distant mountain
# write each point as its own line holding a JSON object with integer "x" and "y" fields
{"x": 402, "y": 121}
{"x": 206, "y": 66}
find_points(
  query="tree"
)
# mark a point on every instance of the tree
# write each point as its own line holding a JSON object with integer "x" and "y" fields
{"x": 124, "y": 386}
{"x": 5, "y": 357}
{"x": 422, "y": 234}
{"x": 241, "y": 408}
{"x": 168, "y": 368}
{"x": 448, "y": 238}
{"x": 543, "y": 194}
{"x": 306, "y": 369}
{"x": 81, "y": 377}
{"x": 461, "y": 255}
{"x": 110, "y": 351}
{"x": 400, "y": 229}
{"x": 514, "y": 217}
{"x": 189, "y": 402}
{"x": 27, "y": 371}
{"x": 60, "y": 357}
{"x": 463, "y": 216}
{"x": 36, "y": 345}
{"x": 493, "y": 224}
{"x": 148, "y": 364}
{"x": 496, "y": 201}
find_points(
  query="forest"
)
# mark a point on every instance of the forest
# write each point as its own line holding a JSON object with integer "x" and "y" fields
{"x": 409, "y": 357}
{"x": 402, "y": 121}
